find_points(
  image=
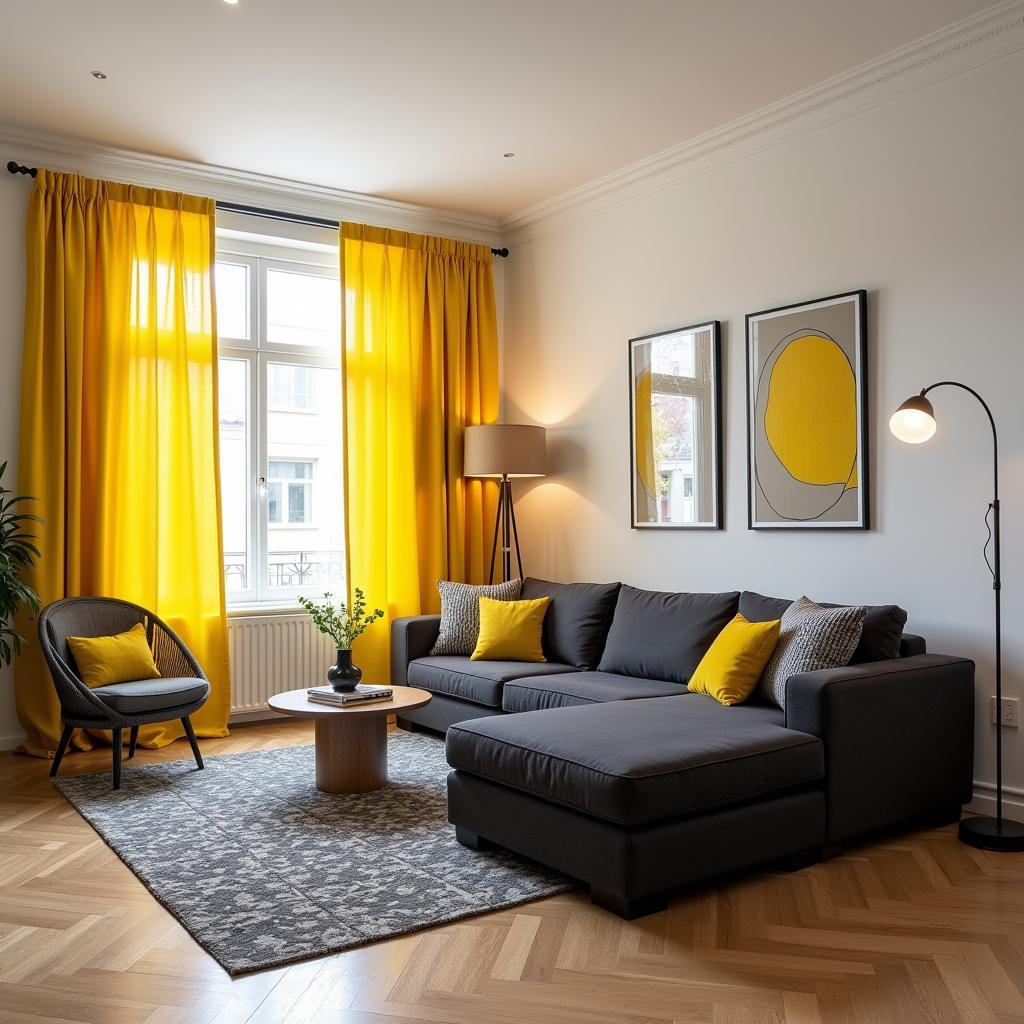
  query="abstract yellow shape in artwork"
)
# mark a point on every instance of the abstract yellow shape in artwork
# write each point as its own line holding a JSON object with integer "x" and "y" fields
{"x": 811, "y": 415}
{"x": 644, "y": 433}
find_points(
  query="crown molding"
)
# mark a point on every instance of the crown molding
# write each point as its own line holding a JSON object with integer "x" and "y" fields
{"x": 993, "y": 33}
{"x": 29, "y": 146}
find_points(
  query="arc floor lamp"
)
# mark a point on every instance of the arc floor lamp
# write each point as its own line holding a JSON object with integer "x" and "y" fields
{"x": 914, "y": 423}
{"x": 505, "y": 451}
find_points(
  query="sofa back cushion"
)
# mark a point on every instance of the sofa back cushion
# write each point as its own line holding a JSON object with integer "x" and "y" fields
{"x": 657, "y": 635}
{"x": 577, "y": 621}
{"x": 879, "y": 641}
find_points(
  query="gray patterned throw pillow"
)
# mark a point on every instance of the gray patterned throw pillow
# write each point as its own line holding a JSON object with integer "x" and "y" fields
{"x": 460, "y": 613}
{"x": 811, "y": 638}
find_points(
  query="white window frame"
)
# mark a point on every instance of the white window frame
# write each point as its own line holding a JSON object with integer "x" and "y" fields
{"x": 257, "y": 353}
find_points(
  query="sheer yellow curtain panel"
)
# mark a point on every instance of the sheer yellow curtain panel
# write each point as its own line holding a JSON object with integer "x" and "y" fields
{"x": 119, "y": 434}
{"x": 421, "y": 364}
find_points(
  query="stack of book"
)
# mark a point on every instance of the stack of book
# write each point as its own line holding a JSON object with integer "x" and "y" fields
{"x": 362, "y": 694}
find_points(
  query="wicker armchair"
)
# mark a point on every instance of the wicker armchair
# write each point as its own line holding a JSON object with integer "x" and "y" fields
{"x": 181, "y": 689}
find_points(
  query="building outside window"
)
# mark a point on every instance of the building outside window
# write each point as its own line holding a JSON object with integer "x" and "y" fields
{"x": 278, "y": 315}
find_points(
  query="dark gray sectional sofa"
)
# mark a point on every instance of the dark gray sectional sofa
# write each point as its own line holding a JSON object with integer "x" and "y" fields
{"x": 600, "y": 762}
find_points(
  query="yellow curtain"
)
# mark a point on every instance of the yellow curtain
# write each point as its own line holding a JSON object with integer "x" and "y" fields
{"x": 421, "y": 364}
{"x": 119, "y": 430}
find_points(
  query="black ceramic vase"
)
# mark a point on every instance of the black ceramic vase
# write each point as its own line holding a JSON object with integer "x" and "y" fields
{"x": 343, "y": 675}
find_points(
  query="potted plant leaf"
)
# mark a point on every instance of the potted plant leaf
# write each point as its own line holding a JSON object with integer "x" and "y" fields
{"x": 344, "y": 626}
{"x": 17, "y": 553}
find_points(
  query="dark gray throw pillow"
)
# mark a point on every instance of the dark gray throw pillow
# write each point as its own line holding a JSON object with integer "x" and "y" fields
{"x": 656, "y": 635}
{"x": 577, "y": 620}
{"x": 879, "y": 641}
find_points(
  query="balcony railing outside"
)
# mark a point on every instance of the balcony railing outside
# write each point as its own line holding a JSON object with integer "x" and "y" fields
{"x": 288, "y": 570}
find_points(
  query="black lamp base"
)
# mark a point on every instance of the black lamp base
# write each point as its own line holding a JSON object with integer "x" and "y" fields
{"x": 991, "y": 834}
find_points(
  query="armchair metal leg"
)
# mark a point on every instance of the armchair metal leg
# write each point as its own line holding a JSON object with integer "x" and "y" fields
{"x": 133, "y": 738}
{"x": 115, "y": 738}
{"x": 65, "y": 739}
{"x": 191, "y": 734}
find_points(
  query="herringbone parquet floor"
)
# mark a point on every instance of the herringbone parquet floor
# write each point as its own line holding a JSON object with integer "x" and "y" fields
{"x": 912, "y": 929}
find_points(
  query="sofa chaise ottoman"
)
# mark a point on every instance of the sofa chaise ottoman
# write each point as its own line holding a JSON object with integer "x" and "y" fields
{"x": 639, "y": 797}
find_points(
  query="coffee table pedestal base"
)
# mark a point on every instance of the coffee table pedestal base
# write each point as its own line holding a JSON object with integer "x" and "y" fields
{"x": 351, "y": 753}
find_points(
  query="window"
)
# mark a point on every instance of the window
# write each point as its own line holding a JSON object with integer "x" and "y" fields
{"x": 291, "y": 387}
{"x": 289, "y": 492}
{"x": 280, "y": 423}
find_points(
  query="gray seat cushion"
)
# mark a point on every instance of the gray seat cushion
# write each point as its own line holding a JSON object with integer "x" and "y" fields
{"x": 478, "y": 681}
{"x": 577, "y": 619}
{"x": 657, "y": 635}
{"x": 637, "y": 761}
{"x": 879, "y": 640}
{"x": 146, "y": 695}
{"x": 564, "y": 691}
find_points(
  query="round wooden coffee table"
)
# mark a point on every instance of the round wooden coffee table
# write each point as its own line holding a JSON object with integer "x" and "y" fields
{"x": 351, "y": 743}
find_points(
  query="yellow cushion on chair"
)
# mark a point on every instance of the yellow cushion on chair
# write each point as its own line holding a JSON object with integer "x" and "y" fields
{"x": 733, "y": 664}
{"x": 114, "y": 659}
{"x": 510, "y": 630}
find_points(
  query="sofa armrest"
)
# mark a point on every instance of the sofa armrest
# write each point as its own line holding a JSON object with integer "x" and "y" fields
{"x": 411, "y": 638}
{"x": 898, "y": 736}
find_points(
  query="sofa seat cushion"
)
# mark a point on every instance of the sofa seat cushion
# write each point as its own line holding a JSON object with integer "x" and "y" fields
{"x": 632, "y": 762}
{"x": 146, "y": 695}
{"x": 478, "y": 681}
{"x": 566, "y": 690}
{"x": 656, "y": 635}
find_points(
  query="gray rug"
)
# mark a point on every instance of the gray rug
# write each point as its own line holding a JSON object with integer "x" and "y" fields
{"x": 263, "y": 869}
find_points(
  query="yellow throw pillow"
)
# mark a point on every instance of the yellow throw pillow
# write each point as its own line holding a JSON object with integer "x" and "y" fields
{"x": 733, "y": 664}
{"x": 510, "y": 630}
{"x": 114, "y": 659}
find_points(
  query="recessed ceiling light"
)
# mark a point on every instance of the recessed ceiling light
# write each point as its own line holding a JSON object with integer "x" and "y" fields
{"x": 507, "y": 155}
{"x": 231, "y": 3}
{"x": 98, "y": 74}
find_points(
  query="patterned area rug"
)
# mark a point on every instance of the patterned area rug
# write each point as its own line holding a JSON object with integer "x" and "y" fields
{"x": 263, "y": 869}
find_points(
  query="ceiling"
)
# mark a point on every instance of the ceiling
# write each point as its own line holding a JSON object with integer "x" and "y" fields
{"x": 417, "y": 100}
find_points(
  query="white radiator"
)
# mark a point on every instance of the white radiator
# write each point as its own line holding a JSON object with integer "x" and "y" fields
{"x": 272, "y": 653}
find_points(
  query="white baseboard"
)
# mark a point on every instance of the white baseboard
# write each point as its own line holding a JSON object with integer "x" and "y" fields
{"x": 10, "y": 742}
{"x": 984, "y": 801}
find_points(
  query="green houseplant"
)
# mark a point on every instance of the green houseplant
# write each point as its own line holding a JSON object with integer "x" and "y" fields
{"x": 17, "y": 553}
{"x": 344, "y": 626}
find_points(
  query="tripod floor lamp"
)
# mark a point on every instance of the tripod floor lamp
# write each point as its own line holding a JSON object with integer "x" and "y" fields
{"x": 914, "y": 422}
{"x": 505, "y": 451}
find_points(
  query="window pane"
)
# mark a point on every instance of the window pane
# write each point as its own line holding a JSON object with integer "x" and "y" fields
{"x": 303, "y": 309}
{"x": 274, "y": 503}
{"x": 232, "y": 284}
{"x": 305, "y": 544}
{"x": 290, "y": 470}
{"x": 298, "y": 503}
{"x": 290, "y": 387}
{"x": 234, "y": 471}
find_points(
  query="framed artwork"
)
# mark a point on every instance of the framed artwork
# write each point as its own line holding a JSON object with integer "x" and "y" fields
{"x": 675, "y": 412}
{"x": 807, "y": 463}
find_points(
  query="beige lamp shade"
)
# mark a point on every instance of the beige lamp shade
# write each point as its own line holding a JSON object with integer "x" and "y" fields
{"x": 504, "y": 449}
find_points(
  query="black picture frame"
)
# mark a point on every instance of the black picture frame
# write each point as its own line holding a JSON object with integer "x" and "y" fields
{"x": 859, "y": 298}
{"x": 716, "y": 448}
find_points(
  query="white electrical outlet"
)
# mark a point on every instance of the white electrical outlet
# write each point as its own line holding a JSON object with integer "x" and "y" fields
{"x": 1011, "y": 713}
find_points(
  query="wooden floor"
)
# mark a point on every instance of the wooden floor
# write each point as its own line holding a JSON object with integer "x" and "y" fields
{"x": 918, "y": 928}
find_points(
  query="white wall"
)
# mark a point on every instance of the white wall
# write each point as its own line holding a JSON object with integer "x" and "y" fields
{"x": 920, "y": 201}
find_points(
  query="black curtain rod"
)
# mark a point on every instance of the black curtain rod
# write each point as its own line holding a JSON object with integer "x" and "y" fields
{"x": 252, "y": 211}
